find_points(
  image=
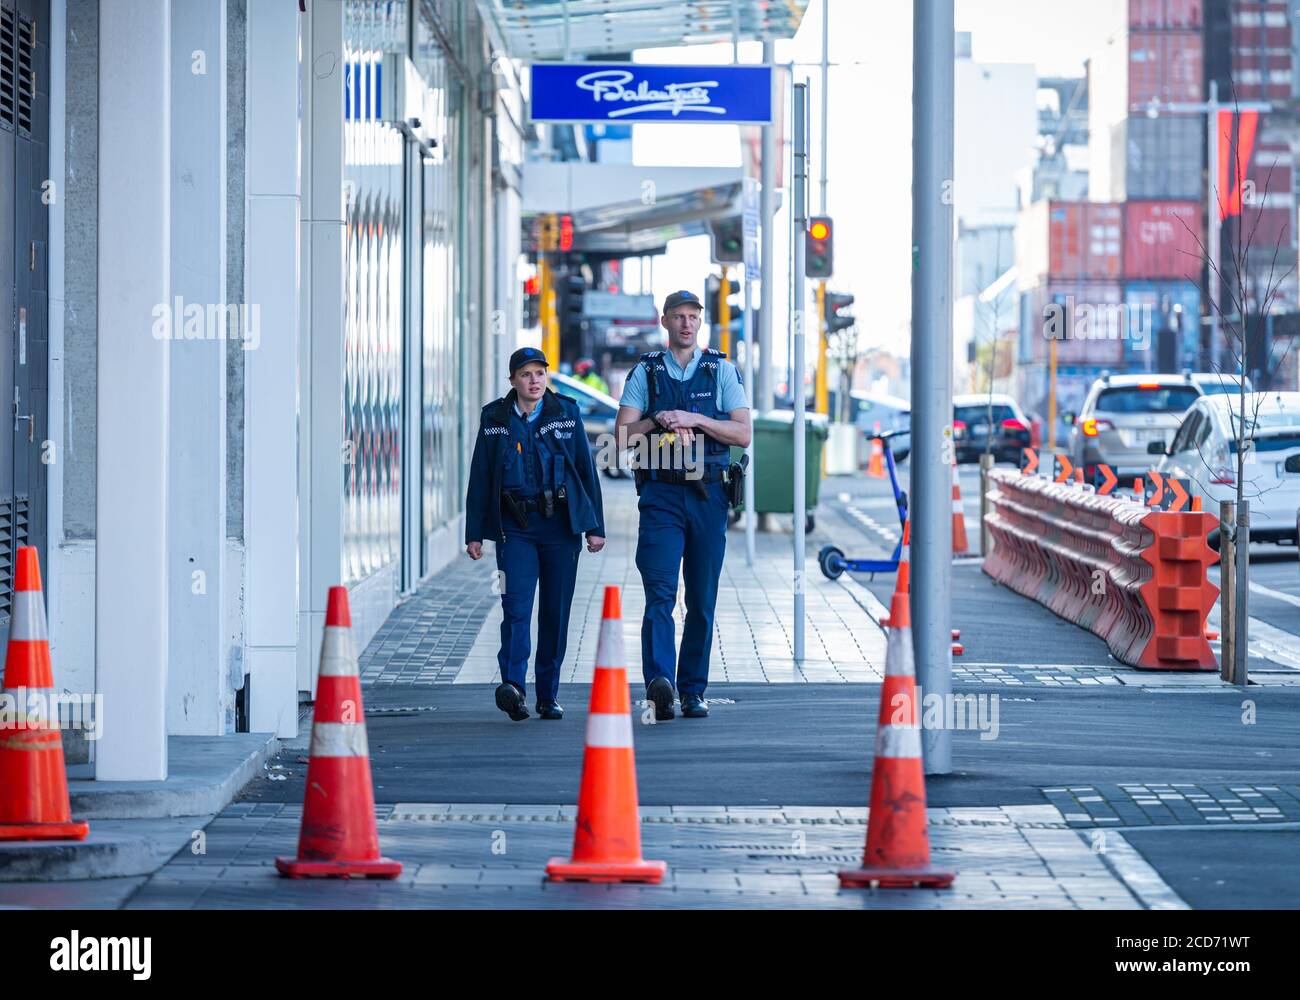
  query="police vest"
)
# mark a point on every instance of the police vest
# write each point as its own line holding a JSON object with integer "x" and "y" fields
{"x": 699, "y": 394}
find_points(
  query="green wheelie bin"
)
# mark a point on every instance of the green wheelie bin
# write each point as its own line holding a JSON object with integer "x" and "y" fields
{"x": 774, "y": 463}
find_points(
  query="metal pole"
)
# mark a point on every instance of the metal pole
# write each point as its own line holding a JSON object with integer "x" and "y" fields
{"x": 767, "y": 210}
{"x": 800, "y": 178}
{"x": 751, "y": 517}
{"x": 986, "y": 466}
{"x": 1051, "y": 395}
{"x": 724, "y": 311}
{"x": 1227, "y": 589}
{"x": 1212, "y": 217}
{"x": 1241, "y": 583}
{"x": 826, "y": 20}
{"x": 931, "y": 552}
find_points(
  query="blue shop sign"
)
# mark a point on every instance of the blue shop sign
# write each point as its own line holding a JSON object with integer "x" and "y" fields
{"x": 599, "y": 93}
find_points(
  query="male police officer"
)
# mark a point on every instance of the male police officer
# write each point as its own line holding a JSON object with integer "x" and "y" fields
{"x": 694, "y": 399}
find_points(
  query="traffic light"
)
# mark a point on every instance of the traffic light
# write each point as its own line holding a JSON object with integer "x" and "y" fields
{"x": 727, "y": 240}
{"x": 837, "y": 318}
{"x": 722, "y": 304}
{"x": 819, "y": 247}
{"x": 570, "y": 292}
{"x": 532, "y": 302}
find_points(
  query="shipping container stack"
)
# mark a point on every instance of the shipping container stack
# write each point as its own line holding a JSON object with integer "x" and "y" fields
{"x": 1069, "y": 258}
{"x": 1152, "y": 159}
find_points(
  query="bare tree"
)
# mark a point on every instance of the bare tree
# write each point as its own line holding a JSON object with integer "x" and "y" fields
{"x": 1242, "y": 317}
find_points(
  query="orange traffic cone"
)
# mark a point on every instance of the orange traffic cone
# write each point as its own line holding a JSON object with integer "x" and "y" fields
{"x": 898, "y": 843}
{"x": 960, "y": 546}
{"x": 876, "y": 464}
{"x": 607, "y": 838}
{"x": 339, "y": 837}
{"x": 34, "y": 801}
{"x": 903, "y": 580}
{"x": 903, "y": 585}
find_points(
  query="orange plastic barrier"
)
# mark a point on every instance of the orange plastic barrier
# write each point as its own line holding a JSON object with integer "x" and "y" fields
{"x": 1134, "y": 576}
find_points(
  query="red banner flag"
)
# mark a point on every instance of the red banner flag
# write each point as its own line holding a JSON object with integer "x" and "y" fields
{"x": 1236, "y": 146}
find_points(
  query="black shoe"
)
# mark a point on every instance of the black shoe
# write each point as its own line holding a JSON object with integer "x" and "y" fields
{"x": 694, "y": 707}
{"x": 549, "y": 710}
{"x": 660, "y": 691}
{"x": 511, "y": 701}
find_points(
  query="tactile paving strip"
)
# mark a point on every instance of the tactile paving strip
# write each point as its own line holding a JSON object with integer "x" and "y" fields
{"x": 1135, "y": 804}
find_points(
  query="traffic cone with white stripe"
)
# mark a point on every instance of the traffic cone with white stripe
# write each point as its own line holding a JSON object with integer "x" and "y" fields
{"x": 960, "y": 544}
{"x": 607, "y": 837}
{"x": 339, "y": 837}
{"x": 898, "y": 843}
{"x": 34, "y": 801}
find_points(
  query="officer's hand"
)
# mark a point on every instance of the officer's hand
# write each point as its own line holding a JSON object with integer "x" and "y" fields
{"x": 685, "y": 418}
{"x": 595, "y": 543}
{"x": 475, "y": 550}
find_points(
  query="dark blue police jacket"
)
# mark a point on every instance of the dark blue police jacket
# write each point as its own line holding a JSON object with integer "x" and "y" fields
{"x": 562, "y": 433}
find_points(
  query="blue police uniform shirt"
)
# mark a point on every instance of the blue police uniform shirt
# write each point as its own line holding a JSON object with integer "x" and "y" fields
{"x": 525, "y": 472}
{"x": 731, "y": 393}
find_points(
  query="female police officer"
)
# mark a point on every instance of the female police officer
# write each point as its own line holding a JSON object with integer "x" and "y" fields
{"x": 533, "y": 489}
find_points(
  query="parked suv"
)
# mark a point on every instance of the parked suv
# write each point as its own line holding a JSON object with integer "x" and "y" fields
{"x": 1120, "y": 418}
{"x": 971, "y": 427}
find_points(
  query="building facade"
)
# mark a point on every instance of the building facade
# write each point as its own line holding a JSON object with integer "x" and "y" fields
{"x": 265, "y": 262}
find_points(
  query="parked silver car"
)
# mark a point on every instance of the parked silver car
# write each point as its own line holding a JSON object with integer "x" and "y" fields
{"x": 1122, "y": 415}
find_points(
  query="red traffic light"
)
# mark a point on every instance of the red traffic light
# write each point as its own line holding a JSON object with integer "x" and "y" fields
{"x": 532, "y": 286}
{"x": 819, "y": 230}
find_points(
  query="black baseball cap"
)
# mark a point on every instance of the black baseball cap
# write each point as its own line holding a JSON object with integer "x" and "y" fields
{"x": 682, "y": 298}
{"x": 525, "y": 355}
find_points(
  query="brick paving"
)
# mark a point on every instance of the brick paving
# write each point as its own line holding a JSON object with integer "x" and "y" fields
{"x": 492, "y": 856}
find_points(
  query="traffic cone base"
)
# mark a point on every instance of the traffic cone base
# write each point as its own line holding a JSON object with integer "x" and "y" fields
{"x": 379, "y": 868}
{"x": 44, "y": 831}
{"x": 895, "y": 878}
{"x": 563, "y": 870}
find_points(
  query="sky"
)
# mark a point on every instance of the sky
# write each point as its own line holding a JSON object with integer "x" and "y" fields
{"x": 869, "y": 152}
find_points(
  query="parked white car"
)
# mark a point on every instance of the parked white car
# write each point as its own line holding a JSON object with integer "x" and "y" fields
{"x": 1204, "y": 452}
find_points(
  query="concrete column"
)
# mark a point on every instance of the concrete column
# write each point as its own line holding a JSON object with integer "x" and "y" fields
{"x": 131, "y": 564}
{"x": 271, "y": 409}
{"x": 201, "y": 328}
{"x": 322, "y": 311}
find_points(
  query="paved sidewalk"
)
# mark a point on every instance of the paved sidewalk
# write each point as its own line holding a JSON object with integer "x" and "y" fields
{"x": 752, "y": 638}
{"x": 492, "y": 856}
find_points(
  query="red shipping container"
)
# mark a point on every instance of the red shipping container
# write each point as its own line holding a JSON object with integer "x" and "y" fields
{"x": 1262, "y": 231}
{"x": 1070, "y": 239}
{"x": 1165, "y": 66}
{"x": 1162, "y": 239}
{"x": 1164, "y": 14}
